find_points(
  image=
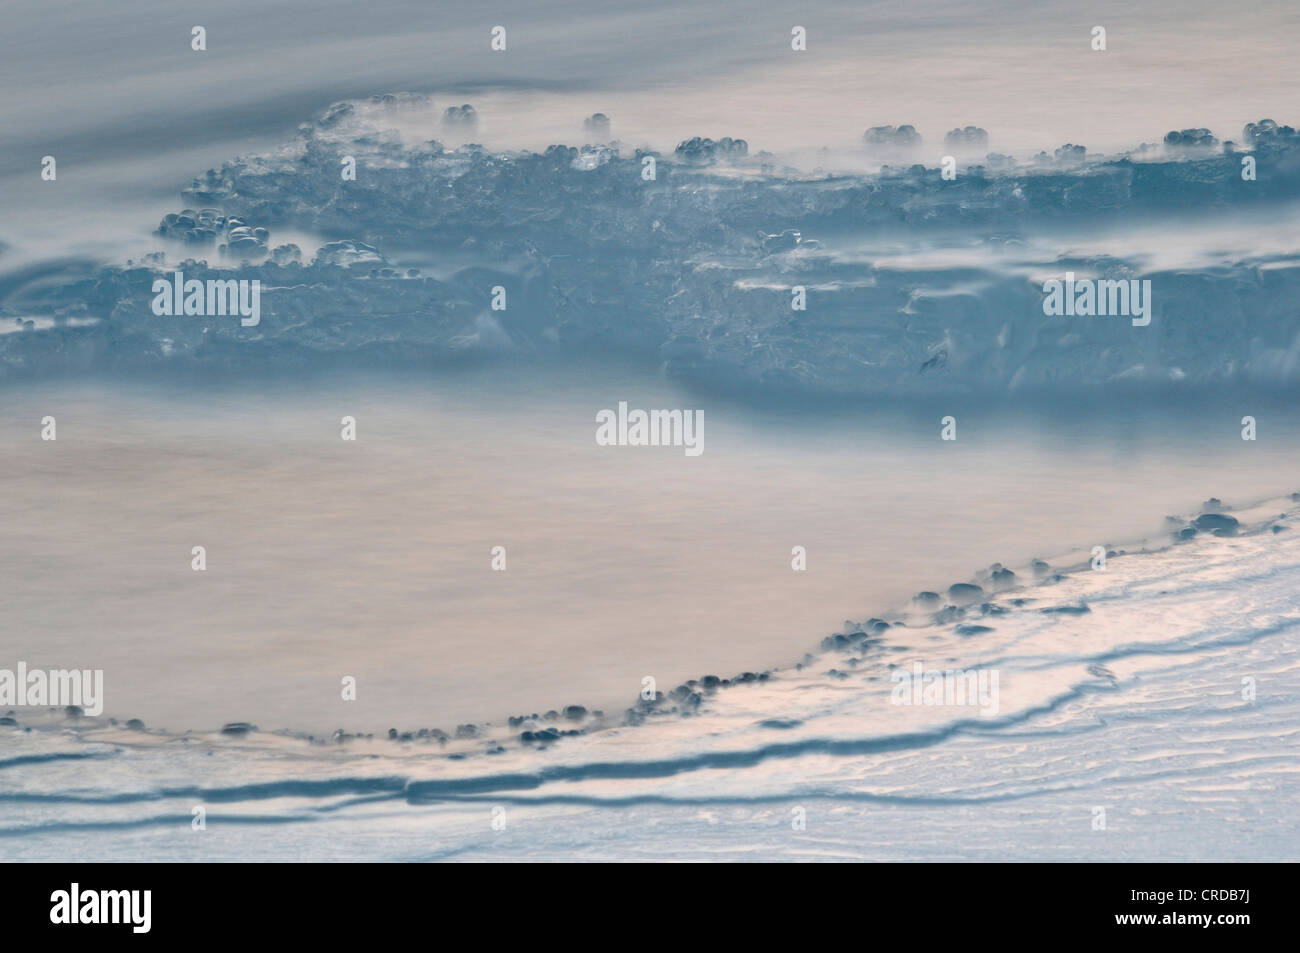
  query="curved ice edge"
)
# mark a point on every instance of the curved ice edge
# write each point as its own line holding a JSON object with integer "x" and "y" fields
{"x": 426, "y": 791}
{"x": 691, "y": 697}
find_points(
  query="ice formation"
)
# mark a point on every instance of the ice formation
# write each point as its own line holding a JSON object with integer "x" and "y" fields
{"x": 1143, "y": 706}
{"x": 911, "y": 283}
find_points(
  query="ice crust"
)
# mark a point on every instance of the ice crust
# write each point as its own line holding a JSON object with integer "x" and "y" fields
{"x": 1136, "y": 707}
{"x": 914, "y": 283}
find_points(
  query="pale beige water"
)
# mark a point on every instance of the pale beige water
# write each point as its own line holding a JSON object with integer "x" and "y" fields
{"x": 327, "y": 558}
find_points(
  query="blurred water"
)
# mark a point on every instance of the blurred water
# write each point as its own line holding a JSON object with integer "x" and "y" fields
{"x": 328, "y": 558}
{"x": 131, "y": 113}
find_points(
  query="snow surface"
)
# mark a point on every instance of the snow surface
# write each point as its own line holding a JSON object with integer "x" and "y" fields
{"x": 1135, "y": 706}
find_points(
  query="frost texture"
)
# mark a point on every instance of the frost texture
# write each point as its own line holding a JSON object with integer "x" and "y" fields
{"x": 913, "y": 283}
